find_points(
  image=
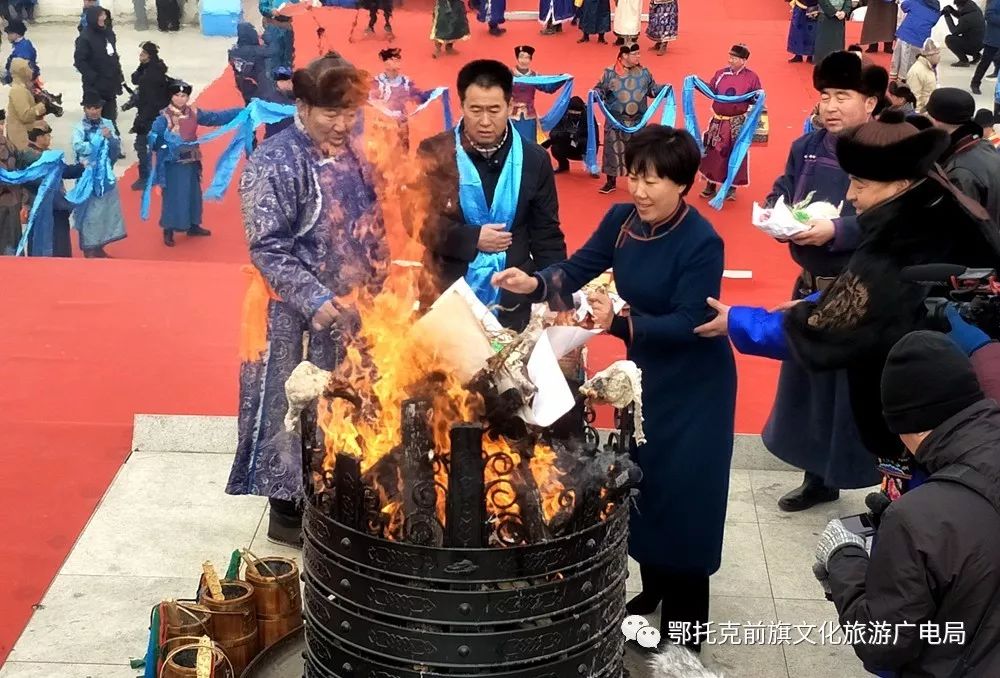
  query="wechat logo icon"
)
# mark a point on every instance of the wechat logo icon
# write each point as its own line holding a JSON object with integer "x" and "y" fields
{"x": 635, "y": 627}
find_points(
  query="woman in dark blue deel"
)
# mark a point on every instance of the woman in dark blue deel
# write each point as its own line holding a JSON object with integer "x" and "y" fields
{"x": 665, "y": 258}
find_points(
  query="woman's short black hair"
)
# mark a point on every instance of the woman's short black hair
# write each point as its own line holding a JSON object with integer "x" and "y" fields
{"x": 485, "y": 73}
{"x": 670, "y": 153}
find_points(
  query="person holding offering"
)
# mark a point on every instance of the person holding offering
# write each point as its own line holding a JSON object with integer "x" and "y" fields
{"x": 665, "y": 258}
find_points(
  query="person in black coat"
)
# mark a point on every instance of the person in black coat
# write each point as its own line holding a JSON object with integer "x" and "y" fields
{"x": 279, "y": 92}
{"x": 968, "y": 28}
{"x": 248, "y": 59}
{"x": 151, "y": 97}
{"x": 532, "y": 239}
{"x": 568, "y": 139}
{"x": 96, "y": 58}
{"x": 936, "y": 556}
{"x": 168, "y": 15}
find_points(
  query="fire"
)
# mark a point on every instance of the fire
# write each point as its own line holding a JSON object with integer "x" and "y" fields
{"x": 382, "y": 366}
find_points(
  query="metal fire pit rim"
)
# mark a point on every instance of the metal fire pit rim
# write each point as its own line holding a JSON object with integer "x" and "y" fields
{"x": 312, "y": 626}
{"x": 385, "y": 669}
{"x": 579, "y": 568}
{"x": 573, "y": 609}
{"x": 471, "y": 555}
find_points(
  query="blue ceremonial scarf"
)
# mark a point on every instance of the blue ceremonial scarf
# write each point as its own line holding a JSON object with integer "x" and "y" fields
{"x": 561, "y": 83}
{"x": 97, "y": 179}
{"x": 472, "y": 198}
{"x": 743, "y": 139}
{"x": 665, "y": 97}
{"x": 258, "y": 112}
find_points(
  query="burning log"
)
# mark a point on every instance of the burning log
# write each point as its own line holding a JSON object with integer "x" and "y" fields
{"x": 466, "y": 507}
{"x": 421, "y": 525}
{"x": 530, "y": 502}
{"x": 312, "y": 450}
{"x": 349, "y": 490}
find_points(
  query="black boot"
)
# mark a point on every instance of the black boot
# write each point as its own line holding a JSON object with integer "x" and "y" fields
{"x": 563, "y": 166}
{"x": 601, "y": 40}
{"x": 585, "y": 38}
{"x": 139, "y": 184}
{"x": 812, "y": 491}
{"x": 284, "y": 523}
{"x": 872, "y": 48}
{"x": 198, "y": 230}
{"x": 619, "y": 41}
{"x": 609, "y": 186}
{"x": 650, "y": 597}
{"x": 887, "y": 47}
{"x": 797, "y": 59}
{"x": 168, "y": 237}
{"x": 685, "y": 603}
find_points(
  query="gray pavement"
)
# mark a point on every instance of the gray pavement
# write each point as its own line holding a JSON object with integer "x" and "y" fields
{"x": 166, "y": 512}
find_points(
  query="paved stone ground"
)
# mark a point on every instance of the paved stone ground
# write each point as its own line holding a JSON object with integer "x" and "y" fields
{"x": 166, "y": 513}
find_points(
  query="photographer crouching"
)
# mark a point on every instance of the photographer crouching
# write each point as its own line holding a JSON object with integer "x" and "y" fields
{"x": 936, "y": 559}
{"x": 149, "y": 98}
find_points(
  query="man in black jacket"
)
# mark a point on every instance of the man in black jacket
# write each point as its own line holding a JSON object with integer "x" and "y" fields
{"x": 968, "y": 27}
{"x": 936, "y": 557}
{"x": 970, "y": 162}
{"x": 504, "y": 215}
{"x": 96, "y": 58}
{"x": 151, "y": 97}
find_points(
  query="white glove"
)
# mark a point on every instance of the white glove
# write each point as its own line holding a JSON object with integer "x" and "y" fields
{"x": 834, "y": 538}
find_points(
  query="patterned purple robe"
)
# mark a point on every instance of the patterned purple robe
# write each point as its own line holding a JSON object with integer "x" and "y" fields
{"x": 727, "y": 120}
{"x": 392, "y": 95}
{"x": 315, "y": 232}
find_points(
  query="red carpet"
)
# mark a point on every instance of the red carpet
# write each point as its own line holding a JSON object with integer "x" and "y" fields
{"x": 87, "y": 344}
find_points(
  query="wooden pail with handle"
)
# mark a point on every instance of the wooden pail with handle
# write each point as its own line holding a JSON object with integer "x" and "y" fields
{"x": 277, "y": 596}
{"x": 234, "y": 622}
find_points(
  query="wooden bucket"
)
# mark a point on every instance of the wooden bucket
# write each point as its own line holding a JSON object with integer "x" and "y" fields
{"x": 179, "y": 661}
{"x": 185, "y": 619}
{"x": 276, "y": 596}
{"x": 234, "y": 622}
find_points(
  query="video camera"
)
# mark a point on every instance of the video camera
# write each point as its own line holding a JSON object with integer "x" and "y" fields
{"x": 975, "y": 293}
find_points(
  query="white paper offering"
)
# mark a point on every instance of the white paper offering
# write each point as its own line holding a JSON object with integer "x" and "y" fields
{"x": 782, "y": 221}
{"x": 554, "y": 397}
{"x": 478, "y": 308}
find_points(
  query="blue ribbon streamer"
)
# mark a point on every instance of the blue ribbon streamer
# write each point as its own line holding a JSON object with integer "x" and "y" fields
{"x": 561, "y": 83}
{"x": 743, "y": 140}
{"x": 97, "y": 179}
{"x": 258, "y": 112}
{"x": 436, "y": 93}
{"x": 669, "y": 115}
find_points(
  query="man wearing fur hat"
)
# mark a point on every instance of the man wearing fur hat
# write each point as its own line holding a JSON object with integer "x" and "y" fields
{"x": 727, "y": 120}
{"x": 902, "y": 200}
{"x": 811, "y": 425}
{"x": 936, "y": 552}
{"x": 970, "y": 162}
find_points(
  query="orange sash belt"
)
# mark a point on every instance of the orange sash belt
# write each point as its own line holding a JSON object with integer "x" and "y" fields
{"x": 253, "y": 324}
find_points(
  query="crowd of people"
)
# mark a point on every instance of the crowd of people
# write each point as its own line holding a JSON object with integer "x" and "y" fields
{"x": 867, "y": 395}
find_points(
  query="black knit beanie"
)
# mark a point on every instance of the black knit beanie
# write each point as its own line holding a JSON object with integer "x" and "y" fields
{"x": 926, "y": 380}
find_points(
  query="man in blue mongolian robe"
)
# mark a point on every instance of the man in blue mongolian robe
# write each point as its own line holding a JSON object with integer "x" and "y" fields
{"x": 811, "y": 424}
{"x": 99, "y": 219}
{"x": 493, "y": 196}
{"x": 552, "y": 14}
{"x": 315, "y": 233}
{"x": 178, "y": 160}
{"x": 60, "y": 209}
{"x": 491, "y": 13}
{"x": 802, "y": 30}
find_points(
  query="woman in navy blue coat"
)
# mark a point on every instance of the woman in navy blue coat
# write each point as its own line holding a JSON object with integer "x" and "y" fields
{"x": 666, "y": 259}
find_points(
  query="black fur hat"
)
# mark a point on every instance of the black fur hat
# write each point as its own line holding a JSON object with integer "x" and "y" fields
{"x": 843, "y": 70}
{"x": 890, "y": 149}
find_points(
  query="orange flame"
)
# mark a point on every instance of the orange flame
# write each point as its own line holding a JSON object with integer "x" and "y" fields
{"x": 384, "y": 367}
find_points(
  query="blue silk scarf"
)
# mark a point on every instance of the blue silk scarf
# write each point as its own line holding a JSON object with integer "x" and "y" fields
{"x": 477, "y": 213}
{"x": 551, "y": 83}
{"x": 97, "y": 179}
{"x": 664, "y": 98}
{"x": 743, "y": 140}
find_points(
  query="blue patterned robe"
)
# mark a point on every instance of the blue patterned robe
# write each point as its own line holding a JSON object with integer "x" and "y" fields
{"x": 801, "y": 29}
{"x": 491, "y": 12}
{"x": 178, "y": 171}
{"x": 315, "y": 232}
{"x": 99, "y": 219}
